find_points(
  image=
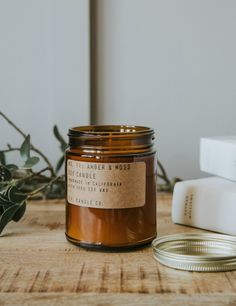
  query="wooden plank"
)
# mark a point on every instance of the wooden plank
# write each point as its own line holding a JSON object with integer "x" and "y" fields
{"x": 108, "y": 299}
{"x": 38, "y": 265}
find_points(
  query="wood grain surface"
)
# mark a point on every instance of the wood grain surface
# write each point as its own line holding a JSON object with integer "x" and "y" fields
{"x": 39, "y": 267}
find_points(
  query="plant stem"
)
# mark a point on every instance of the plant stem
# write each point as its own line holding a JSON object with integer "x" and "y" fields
{"x": 45, "y": 159}
{"x": 13, "y": 125}
{"x": 50, "y": 168}
{"x": 163, "y": 175}
{"x": 31, "y": 175}
{"x": 32, "y": 147}
{"x": 34, "y": 192}
{"x": 10, "y": 150}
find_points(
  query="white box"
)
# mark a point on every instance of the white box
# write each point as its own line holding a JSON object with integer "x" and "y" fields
{"x": 208, "y": 203}
{"x": 218, "y": 156}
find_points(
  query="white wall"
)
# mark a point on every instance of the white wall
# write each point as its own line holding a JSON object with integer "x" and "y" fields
{"x": 171, "y": 65}
{"x": 163, "y": 63}
{"x": 44, "y": 68}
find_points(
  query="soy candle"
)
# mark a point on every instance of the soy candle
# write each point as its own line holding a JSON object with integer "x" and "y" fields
{"x": 111, "y": 186}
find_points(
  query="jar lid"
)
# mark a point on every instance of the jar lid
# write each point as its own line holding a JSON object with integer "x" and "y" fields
{"x": 196, "y": 252}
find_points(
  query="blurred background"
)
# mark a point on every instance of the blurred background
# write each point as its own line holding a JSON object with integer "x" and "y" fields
{"x": 166, "y": 64}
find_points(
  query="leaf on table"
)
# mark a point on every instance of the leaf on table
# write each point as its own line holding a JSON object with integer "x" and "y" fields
{"x": 59, "y": 138}
{"x": 14, "y": 195}
{"x": 12, "y": 206}
{"x": 4, "y": 201}
{"x": 7, "y": 216}
{"x": 20, "y": 212}
{"x": 25, "y": 149}
{"x": 5, "y": 174}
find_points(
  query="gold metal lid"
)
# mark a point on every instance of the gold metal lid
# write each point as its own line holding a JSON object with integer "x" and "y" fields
{"x": 196, "y": 252}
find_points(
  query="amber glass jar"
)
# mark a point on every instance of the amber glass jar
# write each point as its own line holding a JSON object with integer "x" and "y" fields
{"x": 111, "y": 186}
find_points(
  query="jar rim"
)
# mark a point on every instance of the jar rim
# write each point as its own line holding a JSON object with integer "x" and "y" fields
{"x": 110, "y": 130}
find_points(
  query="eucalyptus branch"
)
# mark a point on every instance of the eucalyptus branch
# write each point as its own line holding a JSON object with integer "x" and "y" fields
{"x": 44, "y": 157}
{"x": 45, "y": 186}
{"x": 13, "y": 125}
{"x": 10, "y": 150}
{"x": 20, "y": 183}
{"x": 163, "y": 178}
{"x": 164, "y": 175}
{"x": 168, "y": 185}
{"x": 34, "y": 174}
{"x": 50, "y": 168}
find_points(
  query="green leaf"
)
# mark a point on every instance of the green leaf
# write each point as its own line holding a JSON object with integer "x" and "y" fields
{"x": 59, "y": 138}
{"x": 2, "y": 158}
{"x": 5, "y": 174}
{"x": 7, "y": 216}
{"x": 14, "y": 195}
{"x": 4, "y": 206}
{"x": 59, "y": 163}
{"x": 31, "y": 161}
{"x": 4, "y": 201}
{"x": 25, "y": 149}
{"x": 2, "y": 186}
{"x": 12, "y": 167}
{"x": 20, "y": 212}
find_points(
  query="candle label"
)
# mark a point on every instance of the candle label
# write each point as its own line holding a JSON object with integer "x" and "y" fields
{"x": 106, "y": 185}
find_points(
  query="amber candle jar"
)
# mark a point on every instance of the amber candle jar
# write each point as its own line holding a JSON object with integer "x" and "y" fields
{"x": 111, "y": 186}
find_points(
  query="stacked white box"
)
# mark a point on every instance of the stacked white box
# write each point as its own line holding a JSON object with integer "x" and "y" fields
{"x": 218, "y": 156}
{"x": 210, "y": 203}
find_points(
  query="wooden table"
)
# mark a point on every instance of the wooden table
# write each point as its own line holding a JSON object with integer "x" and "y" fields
{"x": 39, "y": 267}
